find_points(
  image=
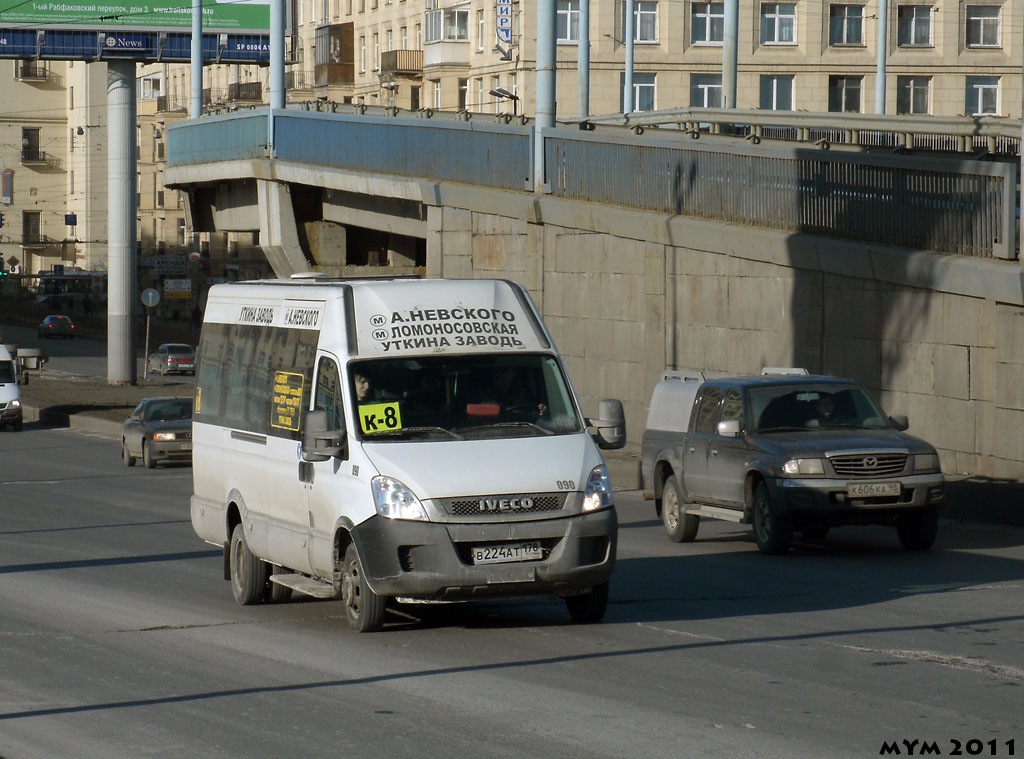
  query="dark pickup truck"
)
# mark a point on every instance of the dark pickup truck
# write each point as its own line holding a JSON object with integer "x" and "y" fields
{"x": 788, "y": 452}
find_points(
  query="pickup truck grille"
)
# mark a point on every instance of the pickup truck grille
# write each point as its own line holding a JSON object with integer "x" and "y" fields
{"x": 489, "y": 505}
{"x": 869, "y": 464}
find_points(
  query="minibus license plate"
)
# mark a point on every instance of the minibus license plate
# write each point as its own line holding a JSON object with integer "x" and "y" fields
{"x": 872, "y": 489}
{"x": 528, "y": 551}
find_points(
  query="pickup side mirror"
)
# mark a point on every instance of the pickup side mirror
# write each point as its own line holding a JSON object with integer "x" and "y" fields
{"x": 610, "y": 425}
{"x": 900, "y": 422}
{"x": 729, "y": 428}
{"x": 320, "y": 443}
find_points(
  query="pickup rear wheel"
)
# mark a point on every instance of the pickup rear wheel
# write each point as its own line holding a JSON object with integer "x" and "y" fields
{"x": 680, "y": 526}
{"x": 917, "y": 531}
{"x": 772, "y": 531}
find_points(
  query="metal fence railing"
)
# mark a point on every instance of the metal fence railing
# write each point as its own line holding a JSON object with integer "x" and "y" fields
{"x": 956, "y": 205}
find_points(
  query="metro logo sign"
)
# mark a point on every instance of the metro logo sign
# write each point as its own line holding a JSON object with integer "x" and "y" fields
{"x": 504, "y": 22}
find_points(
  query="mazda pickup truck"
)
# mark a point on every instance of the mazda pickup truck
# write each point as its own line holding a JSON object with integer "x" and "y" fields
{"x": 786, "y": 452}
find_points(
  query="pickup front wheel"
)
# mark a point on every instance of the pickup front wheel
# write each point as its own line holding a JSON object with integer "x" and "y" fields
{"x": 772, "y": 530}
{"x": 680, "y": 526}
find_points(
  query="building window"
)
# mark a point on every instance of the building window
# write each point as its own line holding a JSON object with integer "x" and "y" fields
{"x": 707, "y": 23}
{"x": 645, "y": 20}
{"x": 362, "y": 54}
{"x": 778, "y": 23}
{"x": 463, "y": 90}
{"x": 912, "y": 95}
{"x": 419, "y": 37}
{"x": 844, "y": 94}
{"x": 846, "y": 25}
{"x": 495, "y": 84}
{"x": 643, "y": 90}
{"x": 705, "y": 90}
{"x": 776, "y": 92}
{"x": 914, "y": 25}
{"x": 414, "y": 96}
{"x": 480, "y": 29}
{"x": 404, "y": 34}
{"x": 982, "y": 26}
{"x": 436, "y": 83}
{"x": 448, "y": 24}
{"x": 480, "y": 94}
{"x": 567, "y": 21}
{"x": 982, "y": 96}
{"x": 376, "y": 51}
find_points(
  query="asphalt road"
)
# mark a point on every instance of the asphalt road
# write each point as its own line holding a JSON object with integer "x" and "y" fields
{"x": 120, "y": 639}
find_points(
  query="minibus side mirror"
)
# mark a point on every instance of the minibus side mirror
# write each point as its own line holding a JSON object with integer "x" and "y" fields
{"x": 320, "y": 443}
{"x": 610, "y": 425}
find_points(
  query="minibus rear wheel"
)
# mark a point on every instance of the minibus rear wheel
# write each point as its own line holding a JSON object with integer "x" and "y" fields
{"x": 363, "y": 608}
{"x": 249, "y": 575}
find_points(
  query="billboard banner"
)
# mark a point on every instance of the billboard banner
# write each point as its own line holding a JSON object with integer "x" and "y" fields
{"x": 146, "y": 15}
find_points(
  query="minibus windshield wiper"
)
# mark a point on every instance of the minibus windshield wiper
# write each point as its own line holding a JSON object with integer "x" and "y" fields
{"x": 406, "y": 430}
{"x": 499, "y": 425}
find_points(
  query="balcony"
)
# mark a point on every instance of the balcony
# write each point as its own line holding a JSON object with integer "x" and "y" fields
{"x": 34, "y": 157}
{"x": 34, "y": 239}
{"x": 401, "y": 62}
{"x": 30, "y": 71}
{"x": 298, "y": 80}
{"x": 250, "y": 92}
{"x": 164, "y": 104}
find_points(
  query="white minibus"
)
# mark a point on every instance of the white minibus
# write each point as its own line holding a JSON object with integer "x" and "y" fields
{"x": 397, "y": 440}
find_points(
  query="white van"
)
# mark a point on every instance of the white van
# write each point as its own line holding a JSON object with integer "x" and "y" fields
{"x": 10, "y": 392}
{"x": 406, "y": 439}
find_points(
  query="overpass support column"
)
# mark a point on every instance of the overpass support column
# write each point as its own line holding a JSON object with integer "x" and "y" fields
{"x": 122, "y": 260}
{"x": 279, "y": 237}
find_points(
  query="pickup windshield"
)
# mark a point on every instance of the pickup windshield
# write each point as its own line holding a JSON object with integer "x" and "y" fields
{"x": 482, "y": 396}
{"x": 789, "y": 408}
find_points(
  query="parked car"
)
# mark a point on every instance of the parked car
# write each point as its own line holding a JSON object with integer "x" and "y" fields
{"x": 159, "y": 430}
{"x": 788, "y": 452}
{"x": 172, "y": 358}
{"x": 57, "y": 325}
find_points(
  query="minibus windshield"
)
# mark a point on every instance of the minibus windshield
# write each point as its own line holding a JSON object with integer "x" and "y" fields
{"x": 465, "y": 397}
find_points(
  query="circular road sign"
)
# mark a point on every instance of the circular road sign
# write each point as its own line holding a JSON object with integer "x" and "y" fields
{"x": 150, "y": 297}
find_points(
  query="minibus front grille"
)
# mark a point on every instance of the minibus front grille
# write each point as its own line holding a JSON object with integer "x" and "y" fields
{"x": 490, "y": 505}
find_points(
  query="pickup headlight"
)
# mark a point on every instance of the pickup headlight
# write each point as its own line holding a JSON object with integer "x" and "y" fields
{"x": 164, "y": 436}
{"x": 795, "y": 467}
{"x": 926, "y": 462}
{"x": 395, "y": 501}
{"x": 598, "y": 494}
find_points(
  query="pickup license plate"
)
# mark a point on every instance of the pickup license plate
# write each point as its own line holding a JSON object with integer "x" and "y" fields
{"x": 872, "y": 489}
{"x": 507, "y": 552}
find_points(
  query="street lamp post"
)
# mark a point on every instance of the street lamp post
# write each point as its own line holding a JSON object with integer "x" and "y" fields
{"x": 502, "y": 94}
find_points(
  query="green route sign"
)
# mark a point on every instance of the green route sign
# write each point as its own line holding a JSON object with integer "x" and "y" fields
{"x": 168, "y": 15}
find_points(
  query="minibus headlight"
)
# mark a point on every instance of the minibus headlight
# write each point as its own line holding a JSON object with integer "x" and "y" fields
{"x": 15, "y": 403}
{"x": 598, "y": 494}
{"x": 795, "y": 467}
{"x": 395, "y": 501}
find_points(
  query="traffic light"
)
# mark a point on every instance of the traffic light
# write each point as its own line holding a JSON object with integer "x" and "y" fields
{"x": 1, "y": 219}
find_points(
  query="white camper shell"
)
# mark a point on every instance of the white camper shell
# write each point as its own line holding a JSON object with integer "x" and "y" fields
{"x": 404, "y": 439}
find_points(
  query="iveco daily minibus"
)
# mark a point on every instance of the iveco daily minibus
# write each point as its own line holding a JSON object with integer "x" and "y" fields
{"x": 405, "y": 440}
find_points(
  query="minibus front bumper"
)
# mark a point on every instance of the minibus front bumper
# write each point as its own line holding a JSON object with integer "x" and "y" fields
{"x": 439, "y": 561}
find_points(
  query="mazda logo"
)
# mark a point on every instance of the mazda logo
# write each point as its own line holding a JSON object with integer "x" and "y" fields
{"x": 870, "y": 462}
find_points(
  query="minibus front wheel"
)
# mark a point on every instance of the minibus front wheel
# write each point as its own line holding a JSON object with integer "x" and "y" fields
{"x": 364, "y": 609}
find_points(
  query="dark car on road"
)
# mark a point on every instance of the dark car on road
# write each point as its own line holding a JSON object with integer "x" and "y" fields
{"x": 57, "y": 325}
{"x": 172, "y": 358}
{"x": 159, "y": 430}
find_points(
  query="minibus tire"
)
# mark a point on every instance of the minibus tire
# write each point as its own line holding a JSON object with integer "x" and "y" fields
{"x": 276, "y": 593}
{"x": 589, "y": 607}
{"x": 364, "y": 609}
{"x": 249, "y": 575}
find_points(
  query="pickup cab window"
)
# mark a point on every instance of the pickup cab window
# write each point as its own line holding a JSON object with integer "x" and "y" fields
{"x": 706, "y": 413}
{"x": 732, "y": 406}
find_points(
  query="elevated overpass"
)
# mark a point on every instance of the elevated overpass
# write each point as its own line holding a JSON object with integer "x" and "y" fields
{"x": 683, "y": 244}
